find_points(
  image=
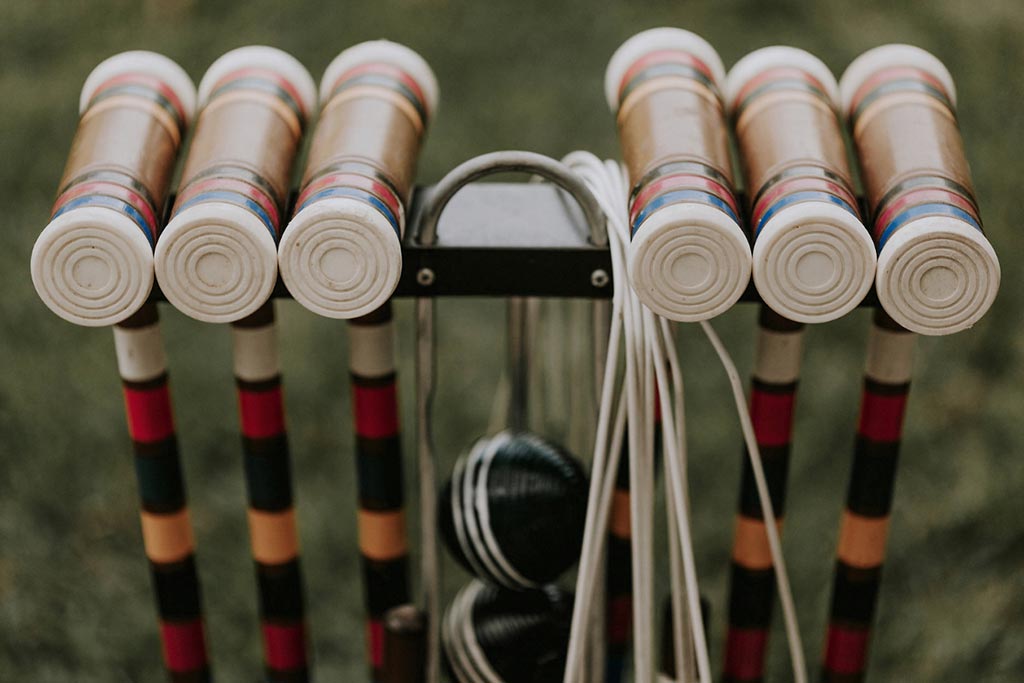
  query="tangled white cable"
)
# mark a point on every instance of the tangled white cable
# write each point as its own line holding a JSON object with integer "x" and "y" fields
{"x": 627, "y": 407}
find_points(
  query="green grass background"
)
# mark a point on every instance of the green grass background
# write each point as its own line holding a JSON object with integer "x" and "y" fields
{"x": 75, "y": 599}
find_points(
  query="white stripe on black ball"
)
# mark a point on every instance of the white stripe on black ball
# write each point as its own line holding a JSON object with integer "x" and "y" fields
{"x": 513, "y": 511}
{"x": 494, "y": 635}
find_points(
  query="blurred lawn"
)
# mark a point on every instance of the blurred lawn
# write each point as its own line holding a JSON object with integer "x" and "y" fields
{"x": 75, "y": 599}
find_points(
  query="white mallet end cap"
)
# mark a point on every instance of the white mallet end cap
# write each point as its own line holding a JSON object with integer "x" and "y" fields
{"x": 340, "y": 258}
{"x": 689, "y": 262}
{"x": 813, "y": 262}
{"x": 93, "y": 266}
{"x": 216, "y": 262}
{"x": 937, "y": 275}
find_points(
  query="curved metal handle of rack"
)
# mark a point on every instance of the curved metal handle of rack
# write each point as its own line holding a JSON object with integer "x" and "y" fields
{"x": 426, "y": 235}
{"x": 510, "y": 161}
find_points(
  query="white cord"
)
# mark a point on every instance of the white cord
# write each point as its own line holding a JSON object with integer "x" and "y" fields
{"x": 641, "y": 519}
{"x": 639, "y": 387}
{"x": 676, "y": 483}
{"x": 686, "y": 664}
{"x": 656, "y": 351}
{"x": 682, "y": 630}
{"x": 680, "y": 627}
{"x": 651, "y": 363}
{"x": 636, "y": 393}
{"x": 597, "y": 514}
{"x": 796, "y": 650}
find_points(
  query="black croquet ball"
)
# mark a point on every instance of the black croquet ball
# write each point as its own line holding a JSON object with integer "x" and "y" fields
{"x": 492, "y": 632}
{"x": 514, "y": 509}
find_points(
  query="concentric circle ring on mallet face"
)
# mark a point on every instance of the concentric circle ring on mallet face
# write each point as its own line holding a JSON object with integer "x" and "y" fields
{"x": 813, "y": 262}
{"x": 937, "y": 276}
{"x": 689, "y": 262}
{"x": 340, "y": 258}
{"x": 92, "y": 266}
{"x": 216, "y": 262}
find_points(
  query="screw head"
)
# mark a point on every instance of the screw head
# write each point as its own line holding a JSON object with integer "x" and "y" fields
{"x": 599, "y": 278}
{"x": 425, "y": 277}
